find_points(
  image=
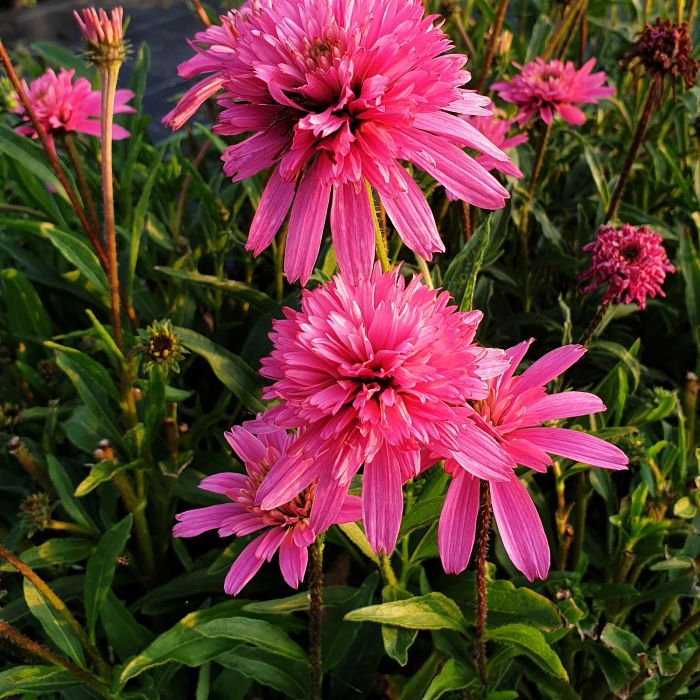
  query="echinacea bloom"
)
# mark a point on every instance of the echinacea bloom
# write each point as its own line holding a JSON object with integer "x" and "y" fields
{"x": 630, "y": 262}
{"x": 337, "y": 95}
{"x": 513, "y": 413}
{"x": 62, "y": 105}
{"x": 286, "y": 528}
{"x": 100, "y": 30}
{"x": 553, "y": 87}
{"x": 496, "y": 129}
{"x": 664, "y": 51}
{"x": 376, "y": 371}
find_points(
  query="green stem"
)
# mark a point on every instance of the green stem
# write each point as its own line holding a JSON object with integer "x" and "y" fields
{"x": 688, "y": 626}
{"x": 496, "y": 27}
{"x": 683, "y": 676}
{"x": 83, "y": 186}
{"x": 386, "y": 570}
{"x": 581, "y": 498}
{"x": 425, "y": 270}
{"x": 562, "y": 29}
{"x": 315, "y": 610}
{"x": 482, "y": 544}
{"x": 380, "y": 243}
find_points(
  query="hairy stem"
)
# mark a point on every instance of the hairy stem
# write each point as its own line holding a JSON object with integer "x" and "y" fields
{"x": 637, "y": 141}
{"x": 315, "y": 609}
{"x": 37, "y": 651}
{"x": 466, "y": 220}
{"x": 594, "y": 324}
{"x": 496, "y": 27}
{"x": 57, "y": 604}
{"x": 482, "y": 544}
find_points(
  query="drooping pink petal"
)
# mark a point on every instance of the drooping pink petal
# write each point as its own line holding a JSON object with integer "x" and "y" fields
{"x": 245, "y": 566}
{"x": 520, "y": 528}
{"x": 382, "y": 502}
{"x": 352, "y": 225}
{"x": 194, "y": 522}
{"x": 221, "y": 483}
{"x": 271, "y": 212}
{"x": 457, "y": 525}
{"x": 576, "y": 445}
{"x": 192, "y": 100}
{"x": 293, "y": 560}
{"x": 482, "y": 456}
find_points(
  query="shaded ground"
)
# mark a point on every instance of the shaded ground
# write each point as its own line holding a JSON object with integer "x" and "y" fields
{"x": 163, "y": 24}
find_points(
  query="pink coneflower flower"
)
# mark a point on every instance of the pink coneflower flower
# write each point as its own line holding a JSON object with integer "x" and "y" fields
{"x": 513, "y": 412}
{"x": 553, "y": 87}
{"x": 63, "y": 105}
{"x": 376, "y": 371}
{"x": 338, "y": 94}
{"x": 101, "y": 30}
{"x": 496, "y": 129}
{"x": 630, "y": 261}
{"x": 286, "y": 528}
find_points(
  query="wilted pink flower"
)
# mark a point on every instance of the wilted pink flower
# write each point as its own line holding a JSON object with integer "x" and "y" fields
{"x": 376, "y": 371}
{"x": 338, "y": 94}
{"x": 62, "y": 105}
{"x": 287, "y": 529}
{"x": 631, "y": 261}
{"x": 513, "y": 412}
{"x": 495, "y": 129}
{"x": 553, "y": 87}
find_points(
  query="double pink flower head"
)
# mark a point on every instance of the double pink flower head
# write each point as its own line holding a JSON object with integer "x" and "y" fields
{"x": 383, "y": 375}
{"x": 337, "y": 96}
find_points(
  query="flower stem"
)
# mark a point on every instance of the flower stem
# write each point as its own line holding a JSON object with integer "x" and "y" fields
{"x": 562, "y": 29}
{"x": 683, "y": 676}
{"x": 466, "y": 220}
{"x": 57, "y": 604}
{"x": 637, "y": 141}
{"x": 36, "y": 650}
{"x": 581, "y": 500}
{"x": 201, "y": 13}
{"x": 387, "y": 570}
{"x": 51, "y": 155}
{"x": 496, "y": 27}
{"x": 425, "y": 270}
{"x": 380, "y": 243}
{"x": 108, "y": 78}
{"x": 594, "y": 324}
{"x": 315, "y": 609}
{"x": 482, "y": 544}
{"x": 83, "y": 186}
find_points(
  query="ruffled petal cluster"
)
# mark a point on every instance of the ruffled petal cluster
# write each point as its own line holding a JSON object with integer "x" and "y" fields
{"x": 339, "y": 95}
{"x": 64, "y": 105}
{"x": 631, "y": 263}
{"x": 285, "y": 529}
{"x": 513, "y": 414}
{"x": 377, "y": 372}
{"x": 548, "y": 88}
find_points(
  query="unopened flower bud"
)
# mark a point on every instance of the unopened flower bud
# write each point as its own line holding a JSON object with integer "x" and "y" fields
{"x": 103, "y": 35}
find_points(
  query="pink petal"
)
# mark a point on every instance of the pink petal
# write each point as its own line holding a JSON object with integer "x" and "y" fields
{"x": 572, "y": 114}
{"x": 222, "y": 483}
{"x": 482, "y": 456}
{"x": 352, "y": 225}
{"x": 286, "y": 480}
{"x": 549, "y": 366}
{"x": 246, "y": 565}
{"x": 328, "y": 500}
{"x": 458, "y": 522}
{"x": 527, "y": 454}
{"x": 293, "y": 560}
{"x": 566, "y": 404}
{"x": 306, "y": 226}
{"x": 520, "y": 528}
{"x": 382, "y": 502}
{"x": 198, "y": 520}
{"x": 191, "y": 101}
{"x": 515, "y": 355}
{"x": 575, "y": 445}
{"x": 271, "y": 212}
{"x": 350, "y": 511}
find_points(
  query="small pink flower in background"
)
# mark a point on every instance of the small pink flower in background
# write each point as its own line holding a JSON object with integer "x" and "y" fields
{"x": 376, "y": 372}
{"x": 63, "y": 105}
{"x": 99, "y": 28}
{"x": 496, "y": 129}
{"x": 513, "y": 413}
{"x": 549, "y": 88}
{"x": 287, "y": 529}
{"x": 630, "y": 262}
{"x": 338, "y": 95}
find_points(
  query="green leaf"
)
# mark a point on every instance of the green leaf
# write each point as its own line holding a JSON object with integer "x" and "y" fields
{"x": 452, "y": 676}
{"x": 256, "y": 632}
{"x": 125, "y": 635}
{"x": 425, "y": 511}
{"x": 101, "y": 567}
{"x": 461, "y": 274}
{"x": 34, "y": 679}
{"x": 64, "y": 488}
{"x": 532, "y": 643}
{"x": 92, "y": 382}
{"x": 100, "y": 473}
{"x": 333, "y": 596}
{"x": 508, "y": 604}
{"x": 54, "y": 625}
{"x": 236, "y": 375}
{"x": 690, "y": 267}
{"x": 60, "y": 551}
{"x": 31, "y": 156}
{"x": 624, "y": 641}
{"x": 183, "y": 644}
{"x": 59, "y": 57}
{"x": 25, "y": 315}
{"x": 433, "y": 611}
{"x": 243, "y": 292}
{"x": 397, "y": 640}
